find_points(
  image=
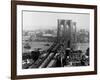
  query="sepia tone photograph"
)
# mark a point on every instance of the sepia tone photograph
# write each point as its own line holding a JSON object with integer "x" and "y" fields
{"x": 55, "y": 39}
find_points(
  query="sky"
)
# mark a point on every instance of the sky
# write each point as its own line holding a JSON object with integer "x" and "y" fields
{"x": 33, "y": 20}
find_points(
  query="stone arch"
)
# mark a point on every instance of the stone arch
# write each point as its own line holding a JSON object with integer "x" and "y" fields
{"x": 64, "y": 27}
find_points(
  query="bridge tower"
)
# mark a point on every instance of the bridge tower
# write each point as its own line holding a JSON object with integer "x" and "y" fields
{"x": 64, "y": 32}
{"x": 74, "y": 35}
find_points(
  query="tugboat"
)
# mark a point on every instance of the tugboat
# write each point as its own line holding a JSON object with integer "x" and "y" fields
{"x": 47, "y": 44}
{"x": 27, "y": 46}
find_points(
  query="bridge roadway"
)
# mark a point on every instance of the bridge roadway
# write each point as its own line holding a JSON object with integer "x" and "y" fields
{"x": 48, "y": 59}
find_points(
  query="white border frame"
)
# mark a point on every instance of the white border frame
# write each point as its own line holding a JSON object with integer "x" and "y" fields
{"x": 21, "y": 71}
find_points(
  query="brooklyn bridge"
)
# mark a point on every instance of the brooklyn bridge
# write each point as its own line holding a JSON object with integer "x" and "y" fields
{"x": 64, "y": 51}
